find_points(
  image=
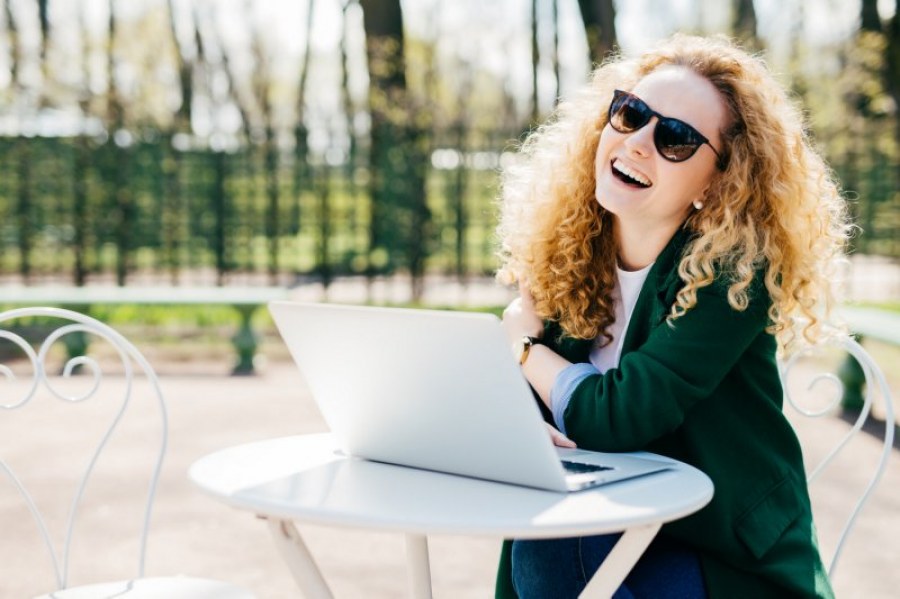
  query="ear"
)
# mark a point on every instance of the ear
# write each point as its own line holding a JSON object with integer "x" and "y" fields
{"x": 701, "y": 196}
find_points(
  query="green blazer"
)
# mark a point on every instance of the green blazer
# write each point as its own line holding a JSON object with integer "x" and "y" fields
{"x": 705, "y": 390}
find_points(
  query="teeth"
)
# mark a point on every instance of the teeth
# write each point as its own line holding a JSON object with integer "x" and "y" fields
{"x": 630, "y": 173}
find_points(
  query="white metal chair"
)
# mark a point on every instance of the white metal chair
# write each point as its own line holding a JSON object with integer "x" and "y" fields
{"x": 74, "y": 325}
{"x": 876, "y": 386}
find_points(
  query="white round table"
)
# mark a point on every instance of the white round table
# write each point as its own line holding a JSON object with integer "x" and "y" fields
{"x": 304, "y": 478}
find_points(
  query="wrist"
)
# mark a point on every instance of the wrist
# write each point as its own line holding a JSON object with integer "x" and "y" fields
{"x": 522, "y": 347}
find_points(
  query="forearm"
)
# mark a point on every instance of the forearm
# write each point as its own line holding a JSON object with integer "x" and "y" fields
{"x": 654, "y": 386}
{"x": 541, "y": 369}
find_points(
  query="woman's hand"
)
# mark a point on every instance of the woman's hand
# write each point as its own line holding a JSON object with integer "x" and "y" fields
{"x": 559, "y": 439}
{"x": 520, "y": 318}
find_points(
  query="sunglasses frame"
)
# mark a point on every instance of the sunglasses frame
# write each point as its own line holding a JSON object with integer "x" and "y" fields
{"x": 620, "y": 97}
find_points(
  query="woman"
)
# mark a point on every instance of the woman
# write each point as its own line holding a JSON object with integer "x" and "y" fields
{"x": 671, "y": 229}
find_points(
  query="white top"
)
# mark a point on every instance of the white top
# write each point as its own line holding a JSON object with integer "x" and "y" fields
{"x": 304, "y": 478}
{"x": 625, "y": 296}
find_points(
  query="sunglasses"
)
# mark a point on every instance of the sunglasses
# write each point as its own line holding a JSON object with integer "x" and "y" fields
{"x": 675, "y": 140}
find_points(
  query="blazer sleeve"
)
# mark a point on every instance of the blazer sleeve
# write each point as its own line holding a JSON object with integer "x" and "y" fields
{"x": 655, "y": 385}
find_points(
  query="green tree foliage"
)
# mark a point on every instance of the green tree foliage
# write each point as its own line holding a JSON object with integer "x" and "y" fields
{"x": 397, "y": 173}
{"x": 744, "y": 23}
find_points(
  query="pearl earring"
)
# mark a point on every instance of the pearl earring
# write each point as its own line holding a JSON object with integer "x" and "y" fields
{"x": 698, "y": 204}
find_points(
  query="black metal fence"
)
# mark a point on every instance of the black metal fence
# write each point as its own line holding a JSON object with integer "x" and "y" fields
{"x": 76, "y": 211}
{"x": 80, "y": 210}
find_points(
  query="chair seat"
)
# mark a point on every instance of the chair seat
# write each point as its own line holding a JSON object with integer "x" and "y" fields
{"x": 170, "y": 587}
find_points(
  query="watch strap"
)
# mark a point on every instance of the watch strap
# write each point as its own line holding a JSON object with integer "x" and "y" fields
{"x": 527, "y": 343}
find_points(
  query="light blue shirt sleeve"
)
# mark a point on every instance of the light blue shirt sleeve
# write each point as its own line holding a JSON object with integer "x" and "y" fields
{"x": 564, "y": 386}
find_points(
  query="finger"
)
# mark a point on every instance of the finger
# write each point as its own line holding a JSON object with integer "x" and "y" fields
{"x": 512, "y": 311}
{"x": 559, "y": 439}
{"x": 525, "y": 294}
{"x": 513, "y": 305}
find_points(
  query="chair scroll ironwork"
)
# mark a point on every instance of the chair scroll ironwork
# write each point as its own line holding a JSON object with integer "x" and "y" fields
{"x": 875, "y": 385}
{"x": 76, "y": 324}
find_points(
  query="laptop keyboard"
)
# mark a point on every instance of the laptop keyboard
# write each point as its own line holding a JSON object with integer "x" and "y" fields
{"x": 582, "y": 468}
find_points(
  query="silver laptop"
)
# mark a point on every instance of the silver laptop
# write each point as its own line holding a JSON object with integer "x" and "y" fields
{"x": 436, "y": 390}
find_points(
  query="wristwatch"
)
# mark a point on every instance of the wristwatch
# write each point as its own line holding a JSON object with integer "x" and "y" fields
{"x": 522, "y": 347}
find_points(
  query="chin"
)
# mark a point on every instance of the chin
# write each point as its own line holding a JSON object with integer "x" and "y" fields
{"x": 611, "y": 202}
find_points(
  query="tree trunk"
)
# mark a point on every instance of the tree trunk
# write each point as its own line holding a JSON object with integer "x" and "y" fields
{"x": 80, "y": 220}
{"x": 273, "y": 226}
{"x": 599, "y": 17}
{"x": 323, "y": 247}
{"x": 383, "y": 24}
{"x": 869, "y": 19}
{"x": 892, "y": 68}
{"x": 173, "y": 208}
{"x": 15, "y": 54}
{"x": 301, "y": 133}
{"x": 24, "y": 209}
{"x": 263, "y": 82}
{"x": 220, "y": 209}
{"x": 556, "y": 70}
{"x": 352, "y": 162}
{"x": 244, "y": 209}
{"x": 400, "y": 218}
{"x": 535, "y": 62}
{"x": 44, "y": 19}
{"x": 120, "y": 193}
{"x": 21, "y": 149}
{"x": 744, "y": 24}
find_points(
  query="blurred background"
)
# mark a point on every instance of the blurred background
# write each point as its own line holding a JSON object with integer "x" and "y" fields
{"x": 349, "y": 150}
{"x": 288, "y": 142}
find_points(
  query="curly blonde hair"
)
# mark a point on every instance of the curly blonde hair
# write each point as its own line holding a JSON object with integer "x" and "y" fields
{"x": 775, "y": 206}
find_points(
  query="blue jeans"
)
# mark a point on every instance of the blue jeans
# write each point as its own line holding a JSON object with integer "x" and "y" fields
{"x": 561, "y": 568}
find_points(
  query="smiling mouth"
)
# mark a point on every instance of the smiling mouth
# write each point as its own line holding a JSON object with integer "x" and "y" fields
{"x": 628, "y": 176}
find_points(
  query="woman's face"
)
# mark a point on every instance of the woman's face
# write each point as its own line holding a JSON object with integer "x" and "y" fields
{"x": 634, "y": 182}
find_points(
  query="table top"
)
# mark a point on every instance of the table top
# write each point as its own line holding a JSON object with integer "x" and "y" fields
{"x": 304, "y": 478}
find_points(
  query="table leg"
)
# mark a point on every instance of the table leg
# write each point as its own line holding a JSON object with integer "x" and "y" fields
{"x": 419, "y": 566}
{"x": 619, "y": 562}
{"x": 300, "y": 561}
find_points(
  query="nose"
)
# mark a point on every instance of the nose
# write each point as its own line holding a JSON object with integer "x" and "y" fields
{"x": 640, "y": 142}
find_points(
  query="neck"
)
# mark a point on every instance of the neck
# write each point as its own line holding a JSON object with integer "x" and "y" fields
{"x": 639, "y": 246}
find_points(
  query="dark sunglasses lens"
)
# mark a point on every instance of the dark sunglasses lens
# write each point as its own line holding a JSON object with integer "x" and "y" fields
{"x": 628, "y": 114}
{"x": 675, "y": 140}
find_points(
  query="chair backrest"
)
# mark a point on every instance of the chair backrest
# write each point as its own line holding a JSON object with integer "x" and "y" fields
{"x": 73, "y": 329}
{"x": 875, "y": 386}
